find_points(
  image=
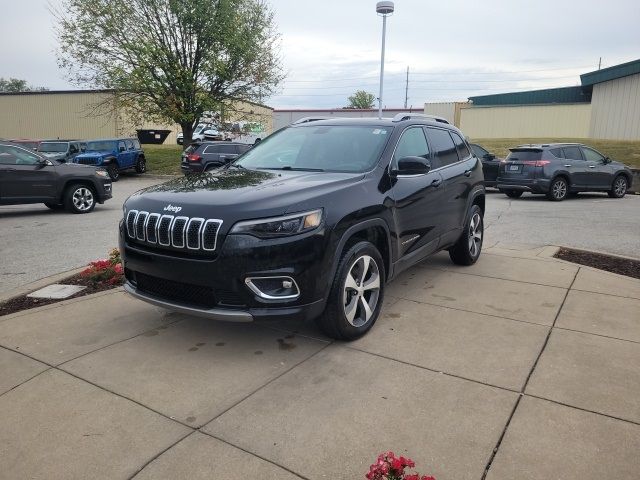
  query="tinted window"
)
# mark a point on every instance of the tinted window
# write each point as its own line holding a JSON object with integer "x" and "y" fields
{"x": 572, "y": 153}
{"x": 100, "y": 146}
{"x": 592, "y": 155}
{"x": 209, "y": 149}
{"x": 342, "y": 148}
{"x": 461, "y": 146}
{"x": 522, "y": 155}
{"x": 478, "y": 150}
{"x": 243, "y": 148}
{"x": 10, "y": 155}
{"x": 442, "y": 146}
{"x": 53, "y": 147}
{"x": 412, "y": 143}
{"x": 557, "y": 152}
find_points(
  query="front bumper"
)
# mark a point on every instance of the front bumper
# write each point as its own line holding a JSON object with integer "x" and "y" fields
{"x": 105, "y": 191}
{"x": 215, "y": 287}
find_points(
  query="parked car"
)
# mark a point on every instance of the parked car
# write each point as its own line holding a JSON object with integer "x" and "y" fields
{"x": 490, "y": 164}
{"x": 198, "y": 133}
{"x": 561, "y": 169}
{"x": 202, "y": 157}
{"x": 310, "y": 223}
{"x": 62, "y": 150}
{"x": 26, "y": 142}
{"x": 29, "y": 177}
{"x": 114, "y": 155}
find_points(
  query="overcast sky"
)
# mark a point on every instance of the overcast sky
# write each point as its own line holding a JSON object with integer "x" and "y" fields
{"x": 453, "y": 48}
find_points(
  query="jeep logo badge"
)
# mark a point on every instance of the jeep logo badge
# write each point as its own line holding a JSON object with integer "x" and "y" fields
{"x": 171, "y": 208}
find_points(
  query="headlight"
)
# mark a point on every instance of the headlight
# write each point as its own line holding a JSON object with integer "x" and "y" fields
{"x": 102, "y": 173}
{"x": 280, "y": 226}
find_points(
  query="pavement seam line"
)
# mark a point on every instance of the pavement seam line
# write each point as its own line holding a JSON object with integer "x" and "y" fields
{"x": 471, "y": 311}
{"x": 324, "y": 347}
{"x": 597, "y": 335}
{"x": 524, "y": 386}
{"x": 135, "y": 474}
{"x": 609, "y": 294}
{"x": 254, "y": 454}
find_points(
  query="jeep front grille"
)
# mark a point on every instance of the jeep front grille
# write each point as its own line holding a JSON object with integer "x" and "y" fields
{"x": 173, "y": 231}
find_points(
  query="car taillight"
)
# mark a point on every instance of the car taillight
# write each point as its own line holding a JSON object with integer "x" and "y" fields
{"x": 192, "y": 157}
{"x": 537, "y": 163}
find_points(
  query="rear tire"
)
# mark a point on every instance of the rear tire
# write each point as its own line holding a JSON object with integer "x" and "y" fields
{"x": 141, "y": 165}
{"x": 513, "y": 193}
{"x": 114, "y": 172}
{"x": 79, "y": 198}
{"x": 356, "y": 294}
{"x": 558, "y": 190}
{"x": 467, "y": 249}
{"x": 618, "y": 187}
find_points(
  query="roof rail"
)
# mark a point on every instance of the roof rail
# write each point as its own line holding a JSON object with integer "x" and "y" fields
{"x": 308, "y": 119}
{"x": 408, "y": 116}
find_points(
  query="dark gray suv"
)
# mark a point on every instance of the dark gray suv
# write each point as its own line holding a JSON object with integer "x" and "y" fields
{"x": 561, "y": 169}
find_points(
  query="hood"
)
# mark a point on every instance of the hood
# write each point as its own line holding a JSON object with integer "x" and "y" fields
{"x": 234, "y": 194}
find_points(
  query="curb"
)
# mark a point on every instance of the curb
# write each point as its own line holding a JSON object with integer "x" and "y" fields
{"x": 43, "y": 282}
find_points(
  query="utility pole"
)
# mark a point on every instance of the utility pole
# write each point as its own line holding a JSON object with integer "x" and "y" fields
{"x": 406, "y": 89}
{"x": 599, "y": 63}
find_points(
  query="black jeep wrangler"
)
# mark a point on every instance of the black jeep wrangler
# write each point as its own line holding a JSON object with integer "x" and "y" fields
{"x": 310, "y": 223}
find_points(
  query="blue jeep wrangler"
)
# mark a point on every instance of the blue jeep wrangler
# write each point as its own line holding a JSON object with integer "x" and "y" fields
{"x": 114, "y": 156}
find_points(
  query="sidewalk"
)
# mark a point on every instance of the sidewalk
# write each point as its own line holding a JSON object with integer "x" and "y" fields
{"x": 521, "y": 363}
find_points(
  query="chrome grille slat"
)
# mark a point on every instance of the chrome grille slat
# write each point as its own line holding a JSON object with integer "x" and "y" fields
{"x": 177, "y": 232}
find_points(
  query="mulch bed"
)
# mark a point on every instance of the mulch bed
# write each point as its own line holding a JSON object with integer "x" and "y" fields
{"x": 621, "y": 266}
{"x": 23, "y": 302}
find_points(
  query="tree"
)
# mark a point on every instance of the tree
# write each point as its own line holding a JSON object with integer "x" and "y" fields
{"x": 361, "y": 99}
{"x": 13, "y": 85}
{"x": 171, "y": 60}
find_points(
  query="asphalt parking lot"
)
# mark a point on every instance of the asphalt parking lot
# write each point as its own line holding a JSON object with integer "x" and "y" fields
{"x": 37, "y": 242}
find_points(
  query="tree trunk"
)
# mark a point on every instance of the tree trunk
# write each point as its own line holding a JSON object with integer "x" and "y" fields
{"x": 187, "y": 133}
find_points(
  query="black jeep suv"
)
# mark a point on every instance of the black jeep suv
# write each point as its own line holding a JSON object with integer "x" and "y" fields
{"x": 29, "y": 177}
{"x": 310, "y": 223}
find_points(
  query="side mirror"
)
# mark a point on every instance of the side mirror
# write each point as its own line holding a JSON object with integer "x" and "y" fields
{"x": 489, "y": 156}
{"x": 413, "y": 166}
{"x": 606, "y": 160}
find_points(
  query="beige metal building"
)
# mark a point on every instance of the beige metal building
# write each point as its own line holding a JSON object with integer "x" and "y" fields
{"x": 74, "y": 114}
{"x": 605, "y": 106}
{"x": 282, "y": 118}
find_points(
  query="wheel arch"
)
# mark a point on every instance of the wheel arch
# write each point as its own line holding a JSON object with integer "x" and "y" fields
{"x": 77, "y": 181}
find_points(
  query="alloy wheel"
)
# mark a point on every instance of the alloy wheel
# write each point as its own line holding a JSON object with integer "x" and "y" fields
{"x": 83, "y": 199}
{"x": 475, "y": 234}
{"x": 361, "y": 290}
{"x": 559, "y": 189}
{"x": 620, "y": 187}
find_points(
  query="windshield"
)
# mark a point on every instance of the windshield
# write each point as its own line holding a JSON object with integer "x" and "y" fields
{"x": 51, "y": 147}
{"x": 100, "y": 146}
{"x": 322, "y": 148}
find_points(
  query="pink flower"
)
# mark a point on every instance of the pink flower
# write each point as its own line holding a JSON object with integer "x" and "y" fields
{"x": 118, "y": 269}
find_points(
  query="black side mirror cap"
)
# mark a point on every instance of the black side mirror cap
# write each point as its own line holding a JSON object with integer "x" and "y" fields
{"x": 489, "y": 156}
{"x": 412, "y": 166}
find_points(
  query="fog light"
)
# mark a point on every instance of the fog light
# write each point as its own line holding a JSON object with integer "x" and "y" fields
{"x": 273, "y": 288}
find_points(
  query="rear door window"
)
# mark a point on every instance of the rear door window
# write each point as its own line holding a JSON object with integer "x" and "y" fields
{"x": 557, "y": 152}
{"x": 524, "y": 155}
{"x": 461, "y": 146}
{"x": 572, "y": 153}
{"x": 478, "y": 150}
{"x": 442, "y": 146}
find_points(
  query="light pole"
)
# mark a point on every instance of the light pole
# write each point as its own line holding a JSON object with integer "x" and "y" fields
{"x": 384, "y": 9}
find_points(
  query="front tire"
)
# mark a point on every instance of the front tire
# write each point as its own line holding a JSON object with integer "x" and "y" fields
{"x": 467, "y": 249}
{"x": 513, "y": 193}
{"x": 619, "y": 187}
{"x": 141, "y": 165}
{"x": 79, "y": 198}
{"x": 558, "y": 190}
{"x": 356, "y": 294}
{"x": 114, "y": 172}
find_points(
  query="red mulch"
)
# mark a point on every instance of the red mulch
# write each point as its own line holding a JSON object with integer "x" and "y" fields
{"x": 621, "y": 266}
{"x": 23, "y": 302}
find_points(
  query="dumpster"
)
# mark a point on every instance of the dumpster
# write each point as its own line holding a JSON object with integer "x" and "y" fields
{"x": 156, "y": 137}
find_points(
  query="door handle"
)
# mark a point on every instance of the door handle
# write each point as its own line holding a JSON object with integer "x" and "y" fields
{"x": 467, "y": 173}
{"x": 436, "y": 182}
{"x": 592, "y": 166}
{"x": 567, "y": 166}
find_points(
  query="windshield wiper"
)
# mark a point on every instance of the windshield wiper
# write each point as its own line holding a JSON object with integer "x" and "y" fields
{"x": 234, "y": 165}
{"x": 294, "y": 169}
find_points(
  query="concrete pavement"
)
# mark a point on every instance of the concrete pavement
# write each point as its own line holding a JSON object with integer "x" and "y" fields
{"x": 522, "y": 364}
